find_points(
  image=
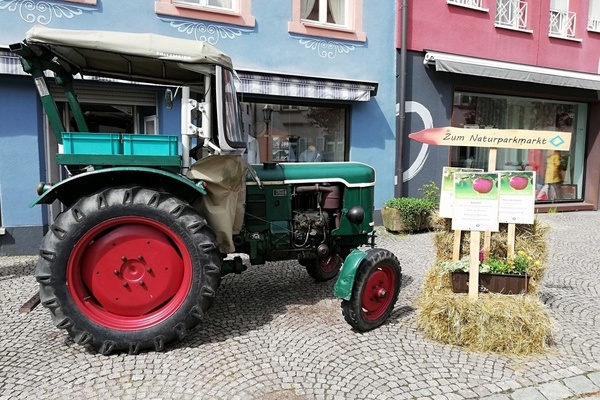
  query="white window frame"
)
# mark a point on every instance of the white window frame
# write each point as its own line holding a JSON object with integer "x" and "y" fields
{"x": 594, "y": 17}
{"x": 239, "y": 14}
{"x": 472, "y": 4}
{"x": 151, "y": 125}
{"x": 323, "y": 7}
{"x": 562, "y": 22}
{"x": 512, "y": 14}
{"x": 353, "y": 30}
{"x": 205, "y": 4}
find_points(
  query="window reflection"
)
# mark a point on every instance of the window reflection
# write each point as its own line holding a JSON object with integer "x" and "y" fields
{"x": 559, "y": 175}
{"x": 294, "y": 133}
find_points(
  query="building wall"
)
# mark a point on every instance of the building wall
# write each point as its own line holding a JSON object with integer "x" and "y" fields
{"x": 464, "y": 31}
{"x": 473, "y": 33}
{"x": 266, "y": 44}
{"x": 20, "y": 163}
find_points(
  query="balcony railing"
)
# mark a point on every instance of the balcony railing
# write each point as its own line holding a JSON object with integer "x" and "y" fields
{"x": 511, "y": 14}
{"x": 467, "y": 3}
{"x": 594, "y": 24}
{"x": 562, "y": 23}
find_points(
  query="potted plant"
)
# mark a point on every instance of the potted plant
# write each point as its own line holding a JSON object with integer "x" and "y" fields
{"x": 496, "y": 275}
{"x": 409, "y": 214}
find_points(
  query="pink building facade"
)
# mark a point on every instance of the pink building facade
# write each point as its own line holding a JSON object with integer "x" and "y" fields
{"x": 508, "y": 64}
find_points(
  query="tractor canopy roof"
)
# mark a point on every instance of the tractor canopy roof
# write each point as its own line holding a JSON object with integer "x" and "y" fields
{"x": 143, "y": 57}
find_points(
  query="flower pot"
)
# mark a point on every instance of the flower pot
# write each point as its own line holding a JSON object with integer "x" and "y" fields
{"x": 491, "y": 283}
{"x": 394, "y": 222}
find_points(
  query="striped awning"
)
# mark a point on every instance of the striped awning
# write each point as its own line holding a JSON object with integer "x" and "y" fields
{"x": 516, "y": 72}
{"x": 10, "y": 63}
{"x": 261, "y": 83}
{"x": 269, "y": 84}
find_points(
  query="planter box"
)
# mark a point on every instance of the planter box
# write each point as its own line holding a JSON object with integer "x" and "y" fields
{"x": 393, "y": 222}
{"x": 491, "y": 283}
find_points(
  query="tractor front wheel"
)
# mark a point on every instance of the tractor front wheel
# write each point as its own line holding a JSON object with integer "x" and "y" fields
{"x": 323, "y": 269}
{"x": 128, "y": 269}
{"x": 375, "y": 290}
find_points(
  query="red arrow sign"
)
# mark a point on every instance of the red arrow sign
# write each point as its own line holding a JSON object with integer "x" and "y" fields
{"x": 504, "y": 138}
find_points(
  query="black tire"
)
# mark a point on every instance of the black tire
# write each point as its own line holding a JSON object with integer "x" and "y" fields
{"x": 141, "y": 304}
{"x": 323, "y": 269}
{"x": 375, "y": 290}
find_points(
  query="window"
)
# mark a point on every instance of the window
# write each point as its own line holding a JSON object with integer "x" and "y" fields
{"x": 562, "y": 21}
{"x": 150, "y": 127}
{"x": 481, "y": 111}
{"x": 90, "y": 2}
{"x": 234, "y": 135}
{"x": 594, "y": 16}
{"x": 325, "y": 11}
{"x": 310, "y": 133}
{"x": 228, "y": 5}
{"x": 511, "y": 14}
{"x": 235, "y": 12}
{"x": 474, "y": 4}
{"x": 339, "y": 19}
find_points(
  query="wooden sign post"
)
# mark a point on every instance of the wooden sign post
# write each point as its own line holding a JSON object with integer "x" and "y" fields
{"x": 492, "y": 139}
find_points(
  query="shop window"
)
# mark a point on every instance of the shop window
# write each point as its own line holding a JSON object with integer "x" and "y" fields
{"x": 235, "y": 12}
{"x": 339, "y": 19}
{"x": 308, "y": 134}
{"x": 559, "y": 175}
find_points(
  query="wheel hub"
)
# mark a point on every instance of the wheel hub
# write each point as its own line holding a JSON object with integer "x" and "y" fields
{"x": 375, "y": 298}
{"x": 132, "y": 270}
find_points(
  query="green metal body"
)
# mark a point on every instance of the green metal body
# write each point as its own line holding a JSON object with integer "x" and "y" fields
{"x": 357, "y": 179}
{"x": 70, "y": 190}
{"x": 271, "y": 207}
{"x": 343, "y": 286}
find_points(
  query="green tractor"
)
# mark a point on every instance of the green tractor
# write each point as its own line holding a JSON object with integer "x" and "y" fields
{"x": 150, "y": 223}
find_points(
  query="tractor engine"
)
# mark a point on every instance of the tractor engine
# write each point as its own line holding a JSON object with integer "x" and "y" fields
{"x": 316, "y": 211}
{"x": 310, "y": 228}
{"x": 290, "y": 221}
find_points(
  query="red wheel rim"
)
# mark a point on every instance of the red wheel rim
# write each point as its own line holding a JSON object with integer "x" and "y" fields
{"x": 377, "y": 294}
{"x": 329, "y": 264}
{"x": 129, "y": 273}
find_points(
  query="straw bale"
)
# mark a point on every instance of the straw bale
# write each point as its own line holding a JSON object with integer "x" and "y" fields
{"x": 508, "y": 324}
{"x": 515, "y": 324}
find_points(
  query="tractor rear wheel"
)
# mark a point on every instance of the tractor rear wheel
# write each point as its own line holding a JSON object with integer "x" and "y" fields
{"x": 375, "y": 290}
{"x": 128, "y": 269}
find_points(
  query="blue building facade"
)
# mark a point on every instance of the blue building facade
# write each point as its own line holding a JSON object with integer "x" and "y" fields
{"x": 325, "y": 70}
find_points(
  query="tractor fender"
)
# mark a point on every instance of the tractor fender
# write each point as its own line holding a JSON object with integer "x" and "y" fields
{"x": 70, "y": 190}
{"x": 343, "y": 286}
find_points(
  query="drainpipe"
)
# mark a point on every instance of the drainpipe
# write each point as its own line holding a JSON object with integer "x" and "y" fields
{"x": 401, "y": 113}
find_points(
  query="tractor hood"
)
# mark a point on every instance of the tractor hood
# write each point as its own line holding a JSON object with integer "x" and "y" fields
{"x": 131, "y": 56}
{"x": 350, "y": 174}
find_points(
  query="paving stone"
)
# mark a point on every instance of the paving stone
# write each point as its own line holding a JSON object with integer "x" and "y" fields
{"x": 594, "y": 377}
{"x": 581, "y": 385}
{"x": 555, "y": 390}
{"x": 527, "y": 394}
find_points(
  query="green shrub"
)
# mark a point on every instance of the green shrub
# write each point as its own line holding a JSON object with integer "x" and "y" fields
{"x": 431, "y": 192}
{"x": 412, "y": 210}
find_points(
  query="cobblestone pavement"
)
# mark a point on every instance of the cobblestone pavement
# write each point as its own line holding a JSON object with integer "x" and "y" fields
{"x": 275, "y": 334}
